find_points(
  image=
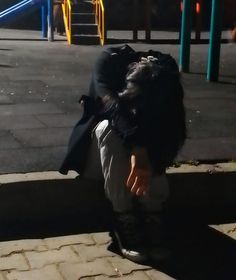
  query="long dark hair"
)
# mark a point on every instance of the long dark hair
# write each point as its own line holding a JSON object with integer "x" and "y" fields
{"x": 155, "y": 81}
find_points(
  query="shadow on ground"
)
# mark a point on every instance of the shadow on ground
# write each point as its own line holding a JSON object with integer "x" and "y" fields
{"x": 198, "y": 251}
{"x": 5, "y": 49}
{"x": 5, "y": 66}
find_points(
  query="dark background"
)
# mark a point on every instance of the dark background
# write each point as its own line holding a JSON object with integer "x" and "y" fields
{"x": 165, "y": 15}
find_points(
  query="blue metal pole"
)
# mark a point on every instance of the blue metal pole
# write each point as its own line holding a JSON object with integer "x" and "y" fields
{"x": 215, "y": 40}
{"x": 185, "y": 37}
{"x": 44, "y": 20}
{"x": 50, "y": 21}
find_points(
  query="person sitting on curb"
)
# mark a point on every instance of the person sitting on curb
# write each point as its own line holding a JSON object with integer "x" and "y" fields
{"x": 135, "y": 119}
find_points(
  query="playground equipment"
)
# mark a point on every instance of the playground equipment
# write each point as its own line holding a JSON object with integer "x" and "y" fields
{"x": 84, "y": 21}
{"x": 197, "y": 10}
{"x": 16, "y": 8}
{"x": 26, "y": 5}
{"x": 147, "y": 15}
{"x": 214, "y": 42}
{"x": 85, "y": 24}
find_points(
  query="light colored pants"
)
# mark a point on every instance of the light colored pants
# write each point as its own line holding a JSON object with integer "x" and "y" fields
{"x": 108, "y": 157}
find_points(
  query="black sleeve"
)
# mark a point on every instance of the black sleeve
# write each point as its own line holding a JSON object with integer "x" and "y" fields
{"x": 102, "y": 83}
{"x": 107, "y": 81}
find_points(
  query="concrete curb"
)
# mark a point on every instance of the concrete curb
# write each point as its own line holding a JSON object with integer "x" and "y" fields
{"x": 208, "y": 190}
{"x": 35, "y": 176}
{"x": 55, "y": 175}
{"x": 203, "y": 168}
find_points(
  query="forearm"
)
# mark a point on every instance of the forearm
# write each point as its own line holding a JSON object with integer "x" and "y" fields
{"x": 140, "y": 173}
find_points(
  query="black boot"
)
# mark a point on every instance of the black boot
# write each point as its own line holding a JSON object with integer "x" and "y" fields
{"x": 130, "y": 237}
{"x": 157, "y": 251}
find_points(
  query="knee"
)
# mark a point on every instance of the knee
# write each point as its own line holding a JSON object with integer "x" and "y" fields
{"x": 100, "y": 130}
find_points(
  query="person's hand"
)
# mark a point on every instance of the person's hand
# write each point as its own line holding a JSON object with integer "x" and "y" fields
{"x": 140, "y": 174}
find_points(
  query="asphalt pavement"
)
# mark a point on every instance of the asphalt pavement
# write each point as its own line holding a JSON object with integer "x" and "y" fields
{"x": 41, "y": 82}
{"x": 44, "y": 219}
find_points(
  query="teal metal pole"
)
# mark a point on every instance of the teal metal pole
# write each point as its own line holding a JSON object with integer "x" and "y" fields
{"x": 185, "y": 37}
{"x": 50, "y": 21}
{"x": 215, "y": 40}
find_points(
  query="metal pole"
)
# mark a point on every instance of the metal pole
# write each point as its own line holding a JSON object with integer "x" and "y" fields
{"x": 215, "y": 39}
{"x": 148, "y": 19}
{"x": 181, "y": 14}
{"x": 135, "y": 20}
{"x": 185, "y": 38}
{"x": 105, "y": 21}
{"x": 43, "y": 21}
{"x": 50, "y": 21}
{"x": 198, "y": 20}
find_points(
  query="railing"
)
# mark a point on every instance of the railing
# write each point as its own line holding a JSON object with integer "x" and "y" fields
{"x": 66, "y": 7}
{"x": 15, "y": 8}
{"x": 100, "y": 15}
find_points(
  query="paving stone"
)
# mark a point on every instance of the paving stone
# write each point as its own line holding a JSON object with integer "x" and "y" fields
{"x": 19, "y": 122}
{"x": 102, "y": 238}
{"x": 3, "y": 78}
{"x": 70, "y": 108}
{"x": 124, "y": 266}
{"x": 15, "y": 246}
{"x": 210, "y": 149}
{"x": 3, "y": 132}
{"x": 58, "y": 242}
{"x": 29, "y": 160}
{"x": 5, "y": 100}
{"x": 208, "y": 92}
{"x": 199, "y": 127}
{"x": 228, "y": 229}
{"x": 45, "y": 273}
{"x": 7, "y": 141}
{"x": 158, "y": 275}
{"x": 90, "y": 253}
{"x": 26, "y": 72}
{"x": 216, "y": 107}
{"x": 80, "y": 270}
{"x": 137, "y": 275}
{"x": 29, "y": 109}
{"x": 59, "y": 94}
{"x": 32, "y": 85}
{"x": 232, "y": 235}
{"x": 43, "y": 137}
{"x": 15, "y": 261}
{"x": 29, "y": 91}
{"x": 59, "y": 120}
{"x": 40, "y": 259}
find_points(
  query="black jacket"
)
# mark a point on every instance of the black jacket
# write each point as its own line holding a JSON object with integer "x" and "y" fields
{"x": 161, "y": 129}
